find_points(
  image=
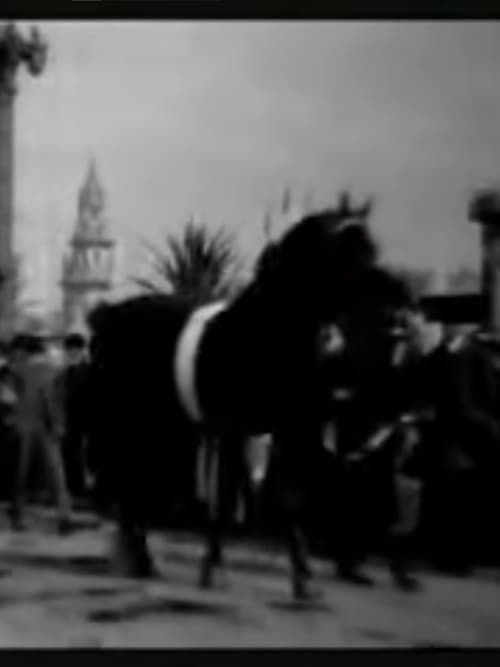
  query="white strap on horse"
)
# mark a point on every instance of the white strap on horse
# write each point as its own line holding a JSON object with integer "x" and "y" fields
{"x": 330, "y": 437}
{"x": 380, "y": 437}
{"x": 186, "y": 355}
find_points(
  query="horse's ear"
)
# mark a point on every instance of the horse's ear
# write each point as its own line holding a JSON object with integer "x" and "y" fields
{"x": 346, "y": 208}
{"x": 344, "y": 204}
{"x": 365, "y": 210}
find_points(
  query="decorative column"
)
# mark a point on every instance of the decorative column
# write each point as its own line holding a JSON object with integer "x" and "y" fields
{"x": 14, "y": 51}
{"x": 485, "y": 210}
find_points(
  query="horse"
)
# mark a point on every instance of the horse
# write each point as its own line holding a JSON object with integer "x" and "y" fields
{"x": 168, "y": 372}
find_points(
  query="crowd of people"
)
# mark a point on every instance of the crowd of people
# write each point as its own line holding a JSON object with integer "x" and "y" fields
{"x": 425, "y": 484}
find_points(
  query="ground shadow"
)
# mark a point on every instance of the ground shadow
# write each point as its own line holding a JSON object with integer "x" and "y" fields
{"x": 235, "y": 565}
{"x": 100, "y": 565}
{"x": 49, "y": 596}
{"x": 300, "y": 606}
{"x": 153, "y": 607}
{"x": 378, "y": 635}
{"x": 93, "y": 565}
{"x": 425, "y": 645}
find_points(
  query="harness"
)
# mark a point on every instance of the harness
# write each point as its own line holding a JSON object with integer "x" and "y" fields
{"x": 185, "y": 357}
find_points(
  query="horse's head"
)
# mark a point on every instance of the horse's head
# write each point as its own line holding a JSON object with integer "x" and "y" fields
{"x": 325, "y": 271}
{"x": 317, "y": 264}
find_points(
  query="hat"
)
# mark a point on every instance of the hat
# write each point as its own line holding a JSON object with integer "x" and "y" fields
{"x": 75, "y": 341}
{"x": 34, "y": 344}
{"x": 18, "y": 342}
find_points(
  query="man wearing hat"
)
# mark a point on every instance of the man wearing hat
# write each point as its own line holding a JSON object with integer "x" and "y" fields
{"x": 459, "y": 385}
{"x": 40, "y": 425}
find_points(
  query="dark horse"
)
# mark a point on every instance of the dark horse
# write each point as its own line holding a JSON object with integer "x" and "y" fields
{"x": 255, "y": 371}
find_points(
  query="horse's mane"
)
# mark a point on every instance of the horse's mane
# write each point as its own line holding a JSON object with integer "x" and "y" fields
{"x": 308, "y": 235}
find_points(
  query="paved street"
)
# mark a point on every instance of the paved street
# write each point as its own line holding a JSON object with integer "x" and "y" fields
{"x": 57, "y": 591}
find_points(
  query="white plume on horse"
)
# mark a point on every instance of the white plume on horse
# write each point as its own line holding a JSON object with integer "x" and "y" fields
{"x": 279, "y": 218}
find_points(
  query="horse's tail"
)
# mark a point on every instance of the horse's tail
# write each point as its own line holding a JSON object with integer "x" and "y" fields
{"x": 102, "y": 439}
{"x": 97, "y": 322}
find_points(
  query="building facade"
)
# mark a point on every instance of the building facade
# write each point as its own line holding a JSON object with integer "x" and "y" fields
{"x": 89, "y": 266}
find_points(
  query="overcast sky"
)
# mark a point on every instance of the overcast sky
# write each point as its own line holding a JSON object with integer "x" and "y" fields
{"x": 216, "y": 118}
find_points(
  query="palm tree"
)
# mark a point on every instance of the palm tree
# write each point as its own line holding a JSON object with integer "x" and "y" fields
{"x": 201, "y": 265}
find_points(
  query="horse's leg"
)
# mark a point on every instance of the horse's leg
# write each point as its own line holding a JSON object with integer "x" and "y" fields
{"x": 131, "y": 547}
{"x": 213, "y": 517}
{"x": 132, "y": 551}
{"x": 225, "y": 454}
{"x": 299, "y": 558}
{"x": 213, "y": 556}
{"x": 294, "y": 492}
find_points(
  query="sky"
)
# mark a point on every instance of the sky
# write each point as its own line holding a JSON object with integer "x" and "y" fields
{"x": 215, "y": 119}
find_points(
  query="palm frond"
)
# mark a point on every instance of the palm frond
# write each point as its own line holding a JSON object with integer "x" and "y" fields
{"x": 199, "y": 263}
{"x": 147, "y": 285}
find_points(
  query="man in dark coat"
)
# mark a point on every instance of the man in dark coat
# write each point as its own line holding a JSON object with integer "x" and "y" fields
{"x": 369, "y": 445}
{"x": 349, "y": 421}
{"x": 460, "y": 385}
{"x": 39, "y": 422}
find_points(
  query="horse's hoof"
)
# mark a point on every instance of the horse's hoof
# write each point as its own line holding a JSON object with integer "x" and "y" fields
{"x": 206, "y": 579}
{"x": 304, "y": 593}
{"x": 134, "y": 568}
{"x": 137, "y": 571}
{"x": 146, "y": 571}
{"x": 405, "y": 582}
{"x": 356, "y": 578}
{"x": 212, "y": 576}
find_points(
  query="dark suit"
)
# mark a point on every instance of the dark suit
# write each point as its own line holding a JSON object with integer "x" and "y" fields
{"x": 462, "y": 388}
{"x": 464, "y": 438}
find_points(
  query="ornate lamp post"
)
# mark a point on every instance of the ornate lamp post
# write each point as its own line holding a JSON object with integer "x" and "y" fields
{"x": 15, "y": 50}
{"x": 484, "y": 209}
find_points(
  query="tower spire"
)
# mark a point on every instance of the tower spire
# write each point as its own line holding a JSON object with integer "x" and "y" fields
{"x": 89, "y": 268}
{"x": 91, "y": 203}
{"x": 92, "y": 173}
